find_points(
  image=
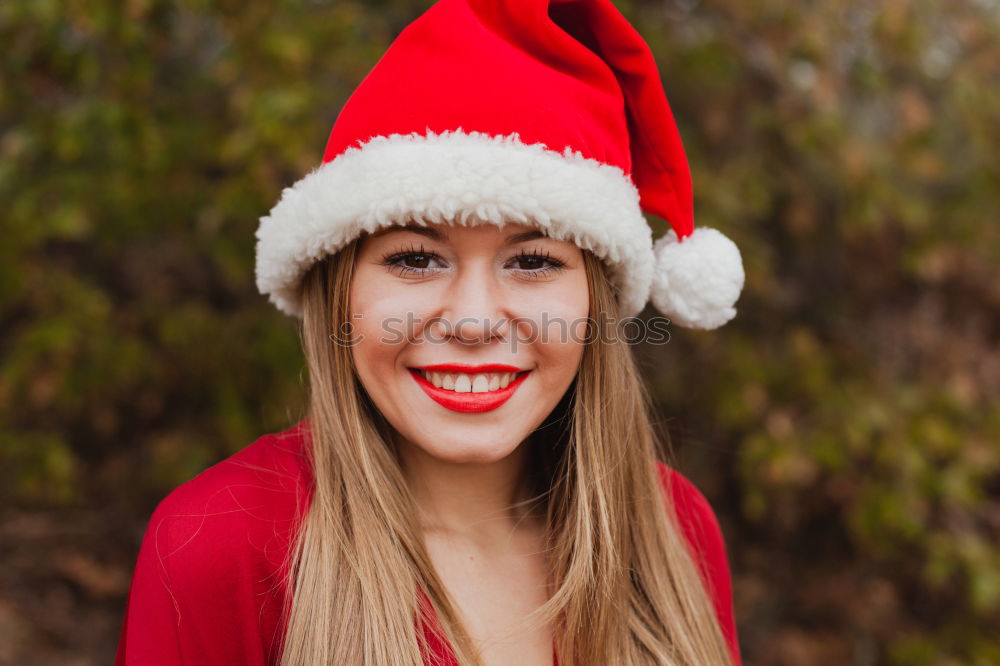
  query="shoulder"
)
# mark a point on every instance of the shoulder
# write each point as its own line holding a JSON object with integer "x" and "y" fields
{"x": 244, "y": 507}
{"x": 209, "y": 584}
{"x": 700, "y": 527}
{"x": 696, "y": 520}
{"x": 693, "y": 512}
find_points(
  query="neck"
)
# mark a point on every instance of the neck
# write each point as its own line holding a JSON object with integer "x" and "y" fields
{"x": 477, "y": 501}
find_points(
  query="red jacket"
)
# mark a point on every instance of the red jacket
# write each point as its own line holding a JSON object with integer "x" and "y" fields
{"x": 208, "y": 584}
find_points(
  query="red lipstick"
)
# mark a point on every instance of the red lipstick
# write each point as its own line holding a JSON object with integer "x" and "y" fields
{"x": 469, "y": 402}
{"x": 470, "y": 369}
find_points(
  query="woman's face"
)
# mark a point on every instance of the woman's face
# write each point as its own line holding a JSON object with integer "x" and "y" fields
{"x": 466, "y": 338}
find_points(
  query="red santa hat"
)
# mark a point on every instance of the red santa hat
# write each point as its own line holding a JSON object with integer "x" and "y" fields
{"x": 545, "y": 112}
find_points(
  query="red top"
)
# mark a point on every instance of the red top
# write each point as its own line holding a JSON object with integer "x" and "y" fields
{"x": 208, "y": 584}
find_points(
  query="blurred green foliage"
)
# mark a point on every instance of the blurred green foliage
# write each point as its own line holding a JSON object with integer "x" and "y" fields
{"x": 845, "y": 424}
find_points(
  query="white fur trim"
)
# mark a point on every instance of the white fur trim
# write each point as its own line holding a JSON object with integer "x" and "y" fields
{"x": 697, "y": 280}
{"x": 458, "y": 177}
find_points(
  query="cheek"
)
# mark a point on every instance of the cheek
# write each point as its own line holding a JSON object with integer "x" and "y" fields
{"x": 371, "y": 311}
{"x": 382, "y": 307}
{"x": 557, "y": 316}
{"x": 572, "y": 307}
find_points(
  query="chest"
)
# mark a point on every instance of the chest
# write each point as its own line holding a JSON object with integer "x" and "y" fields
{"x": 494, "y": 592}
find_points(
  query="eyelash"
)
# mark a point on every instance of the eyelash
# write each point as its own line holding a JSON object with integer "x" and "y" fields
{"x": 393, "y": 260}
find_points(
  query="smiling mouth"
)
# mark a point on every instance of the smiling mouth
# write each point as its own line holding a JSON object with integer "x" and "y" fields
{"x": 469, "y": 392}
{"x": 462, "y": 382}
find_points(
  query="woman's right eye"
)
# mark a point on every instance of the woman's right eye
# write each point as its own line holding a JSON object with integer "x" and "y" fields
{"x": 416, "y": 260}
{"x": 411, "y": 262}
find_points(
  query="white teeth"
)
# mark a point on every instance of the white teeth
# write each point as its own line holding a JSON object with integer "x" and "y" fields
{"x": 466, "y": 383}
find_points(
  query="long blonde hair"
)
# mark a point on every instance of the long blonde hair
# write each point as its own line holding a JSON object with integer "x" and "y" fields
{"x": 625, "y": 590}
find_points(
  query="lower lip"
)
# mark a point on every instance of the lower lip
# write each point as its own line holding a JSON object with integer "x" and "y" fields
{"x": 468, "y": 402}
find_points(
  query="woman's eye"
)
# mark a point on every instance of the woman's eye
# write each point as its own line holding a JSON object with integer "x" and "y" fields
{"x": 536, "y": 264}
{"x": 415, "y": 260}
{"x": 530, "y": 263}
{"x": 411, "y": 262}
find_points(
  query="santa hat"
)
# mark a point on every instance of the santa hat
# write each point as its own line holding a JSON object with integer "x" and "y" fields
{"x": 545, "y": 112}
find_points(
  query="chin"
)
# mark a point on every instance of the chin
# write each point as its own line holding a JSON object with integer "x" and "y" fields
{"x": 465, "y": 453}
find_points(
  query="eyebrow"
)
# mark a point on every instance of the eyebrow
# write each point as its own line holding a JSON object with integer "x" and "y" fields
{"x": 434, "y": 234}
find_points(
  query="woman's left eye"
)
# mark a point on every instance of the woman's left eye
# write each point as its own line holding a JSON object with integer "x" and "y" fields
{"x": 536, "y": 264}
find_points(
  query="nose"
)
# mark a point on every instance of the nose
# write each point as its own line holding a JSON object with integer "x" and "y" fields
{"x": 475, "y": 309}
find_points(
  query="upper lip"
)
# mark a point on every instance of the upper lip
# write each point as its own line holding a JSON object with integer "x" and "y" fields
{"x": 469, "y": 369}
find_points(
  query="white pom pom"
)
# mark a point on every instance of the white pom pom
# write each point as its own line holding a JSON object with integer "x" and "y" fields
{"x": 697, "y": 280}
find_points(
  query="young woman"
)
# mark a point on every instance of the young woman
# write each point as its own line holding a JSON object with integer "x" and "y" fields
{"x": 477, "y": 480}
